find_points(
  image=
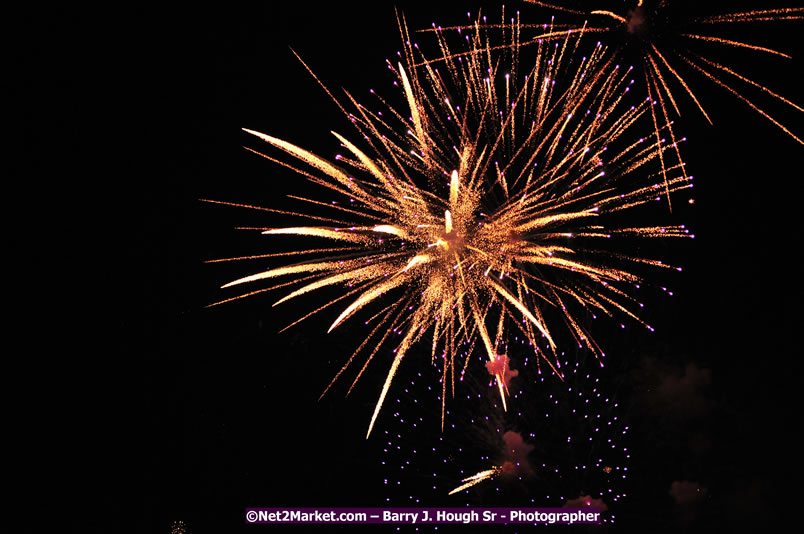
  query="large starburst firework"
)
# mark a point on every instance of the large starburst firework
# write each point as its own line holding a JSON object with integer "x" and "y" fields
{"x": 486, "y": 205}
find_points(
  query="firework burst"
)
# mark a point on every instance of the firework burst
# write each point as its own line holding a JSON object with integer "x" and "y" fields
{"x": 561, "y": 440}
{"x": 484, "y": 206}
{"x": 664, "y": 35}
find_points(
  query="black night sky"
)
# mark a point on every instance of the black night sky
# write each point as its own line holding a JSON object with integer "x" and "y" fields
{"x": 165, "y": 410}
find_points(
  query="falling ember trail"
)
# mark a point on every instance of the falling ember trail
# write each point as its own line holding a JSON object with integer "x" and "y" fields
{"x": 476, "y": 479}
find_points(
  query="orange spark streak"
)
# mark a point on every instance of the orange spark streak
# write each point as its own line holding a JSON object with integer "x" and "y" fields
{"x": 735, "y": 43}
{"x": 476, "y": 479}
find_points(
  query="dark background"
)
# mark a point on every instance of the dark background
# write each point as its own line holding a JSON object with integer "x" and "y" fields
{"x": 157, "y": 409}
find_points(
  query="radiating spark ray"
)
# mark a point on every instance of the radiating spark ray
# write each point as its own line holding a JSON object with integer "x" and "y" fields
{"x": 615, "y": 16}
{"x": 735, "y": 43}
{"x": 328, "y": 233}
{"x": 792, "y": 13}
{"x": 282, "y": 271}
{"x": 334, "y": 279}
{"x": 744, "y": 99}
{"x": 748, "y": 81}
{"x": 386, "y": 386}
{"x": 519, "y": 306}
{"x": 681, "y": 81}
{"x": 367, "y": 297}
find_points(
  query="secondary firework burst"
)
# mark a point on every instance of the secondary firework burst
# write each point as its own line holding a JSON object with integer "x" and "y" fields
{"x": 572, "y": 440}
{"x": 665, "y": 35}
{"x": 560, "y": 439}
{"x": 485, "y": 205}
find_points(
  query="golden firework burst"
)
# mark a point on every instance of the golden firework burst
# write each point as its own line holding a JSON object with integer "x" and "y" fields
{"x": 482, "y": 206}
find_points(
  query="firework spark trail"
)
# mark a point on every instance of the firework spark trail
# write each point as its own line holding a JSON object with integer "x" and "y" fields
{"x": 482, "y": 203}
{"x": 476, "y": 479}
{"x": 675, "y": 44}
